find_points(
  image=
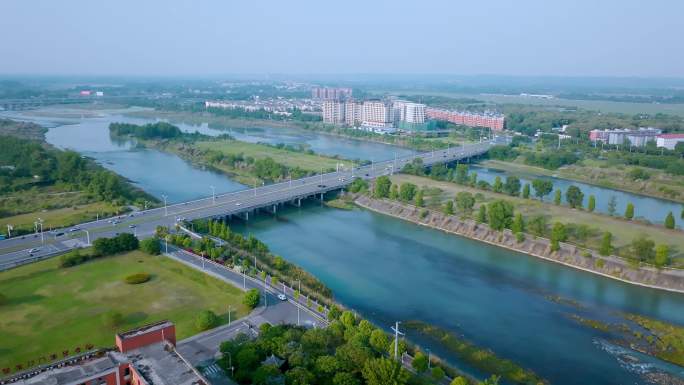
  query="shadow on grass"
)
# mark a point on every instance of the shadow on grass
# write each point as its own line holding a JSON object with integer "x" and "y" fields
{"x": 24, "y": 300}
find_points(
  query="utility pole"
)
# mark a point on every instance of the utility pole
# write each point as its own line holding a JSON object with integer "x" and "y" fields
{"x": 229, "y": 310}
{"x": 166, "y": 211}
{"x": 213, "y": 194}
{"x": 397, "y": 333}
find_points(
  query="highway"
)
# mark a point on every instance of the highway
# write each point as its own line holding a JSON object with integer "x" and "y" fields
{"x": 20, "y": 250}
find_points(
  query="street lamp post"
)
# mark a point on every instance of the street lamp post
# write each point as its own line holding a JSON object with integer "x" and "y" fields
{"x": 166, "y": 212}
{"x": 428, "y": 351}
{"x": 299, "y": 281}
{"x": 213, "y": 194}
{"x": 397, "y": 333}
{"x": 229, "y": 310}
{"x": 87, "y": 236}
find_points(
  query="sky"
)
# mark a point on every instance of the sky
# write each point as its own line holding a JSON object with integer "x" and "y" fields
{"x": 221, "y": 37}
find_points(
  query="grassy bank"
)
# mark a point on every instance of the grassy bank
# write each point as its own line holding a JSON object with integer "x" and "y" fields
{"x": 49, "y": 309}
{"x": 600, "y": 173}
{"x": 60, "y": 217}
{"x": 438, "y": 192}
{"x": 480, "y": 358}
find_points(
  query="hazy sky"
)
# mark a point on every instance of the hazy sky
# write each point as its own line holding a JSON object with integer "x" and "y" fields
{"x": 218, "y": 37}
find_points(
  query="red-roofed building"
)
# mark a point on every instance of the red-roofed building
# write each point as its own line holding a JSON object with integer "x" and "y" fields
{"x": 669, "y": 141}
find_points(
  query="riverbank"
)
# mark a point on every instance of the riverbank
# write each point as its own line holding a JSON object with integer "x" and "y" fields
{"x": 568, "y": 255}
{"x": 599, "y": 173}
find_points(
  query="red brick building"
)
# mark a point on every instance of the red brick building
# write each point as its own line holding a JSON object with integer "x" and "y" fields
{"x": 493, "y": 121}
{"x": 144, "y": 356}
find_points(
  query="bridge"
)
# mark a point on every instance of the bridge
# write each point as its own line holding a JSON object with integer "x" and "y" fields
{"x": 20, "y": 250}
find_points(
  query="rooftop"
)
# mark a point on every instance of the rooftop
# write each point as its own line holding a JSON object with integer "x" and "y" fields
{"x": 159, "y": 364}
{"x": 145, "y": 329}
{"x": 672, "y": 136}
{"x": 68, "y": 373}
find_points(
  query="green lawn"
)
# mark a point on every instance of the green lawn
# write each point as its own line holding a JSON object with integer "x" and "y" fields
{"x": 51, "y": 309}
{"x": 61, "y": 217}
{"x": 259, "y": 151}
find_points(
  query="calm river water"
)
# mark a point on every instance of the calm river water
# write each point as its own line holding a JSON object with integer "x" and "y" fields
{"x": 390, "y": 270}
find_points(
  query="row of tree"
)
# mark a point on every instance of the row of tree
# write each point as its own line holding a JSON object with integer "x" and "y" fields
{"x": 159, "y": 130}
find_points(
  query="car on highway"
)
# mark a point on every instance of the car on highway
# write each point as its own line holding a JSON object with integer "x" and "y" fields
{"x": 238, "y": 204}
{"x": 131, "y": 226}
{"x": 33, "y": 251}
{"x": 322, "y": 186}
{"x": 59, "y": 234}
{"x": 282, "y": 297}
{"x": 74, "y": 229}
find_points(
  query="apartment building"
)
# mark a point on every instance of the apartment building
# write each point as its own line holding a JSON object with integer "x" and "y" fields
{"x": 377, "y": 113}
{"x": 634, "y": 137}
{"x": 488, "y": 120}
{"x": 331, "y": 93}
{"x": 333, "y": 112}
{"x": 353, "y": 113}
{"x": 669, "y": 141}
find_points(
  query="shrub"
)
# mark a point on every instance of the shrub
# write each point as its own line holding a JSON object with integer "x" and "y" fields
{"x": 151, "y": 246}
{"x": 3, "y": 299}
{"x": 252, "y": 298}
{"x": 72, "y": 258}
{"x": 206, "y": 320}
{"x": 137, "y": 278}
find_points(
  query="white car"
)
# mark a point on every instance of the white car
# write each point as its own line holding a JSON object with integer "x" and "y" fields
{"x": 33, "y": 251}
{"x": 282, "y": 297}
{"x": 238, "y": 204}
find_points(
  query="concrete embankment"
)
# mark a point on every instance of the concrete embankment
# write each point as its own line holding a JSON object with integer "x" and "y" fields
{"x": 569, "y": 255}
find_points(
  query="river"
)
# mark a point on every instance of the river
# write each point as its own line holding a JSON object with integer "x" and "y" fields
{"x": 390, "y": 270}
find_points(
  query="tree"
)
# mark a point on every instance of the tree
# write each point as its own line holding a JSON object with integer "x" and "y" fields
{"x": 461, "y": 175}
{"x": 419, "y": 198}
{"x": 629, "y": 211}
{"x": 591, "y": 205}
{"x": 299, "y": 376}
{"x": 670, "y": 221}
{"x": 407, "y": 191}
{"x": 500, "y": 214}
{"x": 558, "y": 234}
{"x": 151, "y": 246}
{"x": 265, "y": 374}
{"x": 612, "y": 205}
{"x": 662, "y": 255}
{"x": 345, "y": 378}
{"x": 518, "y": 225}
{"x": 437, "y": 374}
{"x": 574, "y": 196}
{"x": 449, "y": 207}
{"x": 482, "y": 214}
{"x": 382, "y": 187}
{"x": 252, "y": 298}
{"x": 348, "y": 319}
{"x": 606, "y": 244}
{"x": 459, "y": 381}
{"x": 526, "y": 191}
{"x": 498, "y": 185}
{"x": 542, "y": 188}
{"x": 206, "y": 320}
{"x": 465, "y": 201}
{"x": 394, "y": 192}
{"x": 642, "y": 249}
{"x": 420, "y": 362}
{"x": 378, "y": 340}
{"x": 381, "y": 371}
{"x": 557, "y": 197}
{"x": 512, "y": 186}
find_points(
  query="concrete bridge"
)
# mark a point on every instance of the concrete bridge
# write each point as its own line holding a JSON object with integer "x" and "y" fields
{"x": 243, "y": 203}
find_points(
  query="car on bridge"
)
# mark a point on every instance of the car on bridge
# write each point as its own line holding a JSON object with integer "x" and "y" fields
{"x": 282, "y": 297}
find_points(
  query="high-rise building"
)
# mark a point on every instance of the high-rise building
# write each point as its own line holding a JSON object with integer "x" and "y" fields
{"x": 353, "y": 113}
{"x": 377, "y": 113}
{"x": 333, "y": 112}
{"x": 331, "y": 93}
{"x": 634, "y": 137}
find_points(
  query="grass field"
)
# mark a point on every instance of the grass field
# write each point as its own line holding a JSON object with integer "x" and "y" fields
{"x": 259, "y": 151}
{"x": 623, "y": 231}
{"x": 59, "y": 217}
{"x": 51, "y": 309}
{"x": 600, "y": 173}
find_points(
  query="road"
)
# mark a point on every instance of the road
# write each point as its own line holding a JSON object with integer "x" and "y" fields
{"x": 19, "y": 250}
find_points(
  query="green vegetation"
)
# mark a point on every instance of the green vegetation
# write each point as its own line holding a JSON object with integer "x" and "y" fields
{"x": 238, "y": 250}
{"x": 582, "y": 227}
{"x": 159, "y": 130}
{"x": 665, "y": 341}
{"x": 151, "y": 246}
{"x": 252, "y": 298}
{"x": 479, "y": 358}
{"x": 50, "y": 309}
{"x": 137, "y": 278}
{"x": 23, "y": 130}
{"x": 102, "y": 247}
{"x": 206, "y": 319}
{"x": 35, "y": 176}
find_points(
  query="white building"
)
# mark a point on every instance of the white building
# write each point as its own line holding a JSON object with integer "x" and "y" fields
{"x": 409, "y": 112}
{"x": 333, "y": 112}
{"x": 669, "y": 141}
{"x": 630, "y": 137}
{"x": 353, "y": 113}
{"x": 376, "y": 113}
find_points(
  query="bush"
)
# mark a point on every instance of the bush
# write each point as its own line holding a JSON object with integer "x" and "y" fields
{"x": 3, "y": 299}
{"x": 72, "y": 258}
{"x": 151, "y": 246}
{"x": 252, "y": 298}
{"x": 206, "y": 320}
{"x": 120, "y": 243}
{"x": 137, "y": 278}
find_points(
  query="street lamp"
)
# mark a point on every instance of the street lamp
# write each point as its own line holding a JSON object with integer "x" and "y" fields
{"x": 397, "y": 333}
{"x": 428, "y": 351}
{"x": 35, "y": 225}
{"x": 166, "y": 212}
{"x": 213, "y": 194}
{"x": 87, "y": 236}
{"x": 229, "y": 310}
